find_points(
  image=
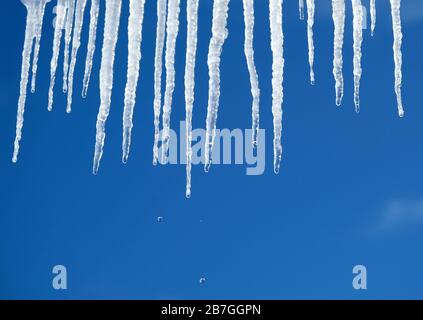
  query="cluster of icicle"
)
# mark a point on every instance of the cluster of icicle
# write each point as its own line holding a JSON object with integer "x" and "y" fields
{"x": 70, "y": 18}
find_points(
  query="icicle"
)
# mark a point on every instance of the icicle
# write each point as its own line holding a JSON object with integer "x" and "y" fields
{"x": 220, "y": 33}
{"x": 373, "y": 15}
{"x": 358, "y": 40}
{"x": 160, "y": 37}
{"x": 301, "y": 8}
{"x": 249, "y": 54}
{"x": 338, "y": 15}
{"x": 136, "y": 8}
{"x": 58, "y": 27}
{"x": 172, "y": 28}
{"x": 95, "y": 8}
{"x": 41, "y": 8}
{"x": 396, "y": 26}
{"x": 310, "y": 23}
{"x": 68, "y": 35}
{"x": 111, "y": 29}
{"x": 35, "y": 13}
{"x": 192, "y": 21}
{"x": 76, "y": 43}
{"x": 277, "y": 40}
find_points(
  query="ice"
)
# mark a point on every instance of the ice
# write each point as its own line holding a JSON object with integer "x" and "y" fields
{"x": 110, "y": 36}
{"x": 136, "y": 17}
{"x": 35, "y": 13}
{"x": 338, "y": 15}
{"x": 58, "y": 27}
{"x": 172, "y": 29}
{"x": 192, "y": 22}
{"x": 95, "y": 8}
{"x": 277, "y": 39}
{"x": 39, "y": 29}
{"x": 68, "y": 36}
{"x": 396, "y": 27}
{"x": 358, "y": 40}
{"x": 310, "y": 23}
{"x": 219, "y": 35}
{"x": 373, "y": 15}
{"x": 76, "y": 43}
{"x": 301, "y": 8}
{"x": 249, "y": 54}
{"x": 158, "y": 64}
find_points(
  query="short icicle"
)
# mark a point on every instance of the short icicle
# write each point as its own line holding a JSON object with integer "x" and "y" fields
{"x": 396, "y": 27}
{"x": 338, "y": 15}
{"x": 76, "y": 43}
{"x": 68, "y": 36}
{"x": 61, "y": 9}
{"x": 95, "y": 8}
{"x": 358, "y": 40}
{"x": 310, "y": 41}
{"x": 41, "y": 8}
{"x": 301, "y": 9}
{"x": 373, "y": 15}
{"x": 110, "y": 36}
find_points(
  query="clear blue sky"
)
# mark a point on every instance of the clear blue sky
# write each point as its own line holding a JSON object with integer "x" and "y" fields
{"x": 295, "y": 235}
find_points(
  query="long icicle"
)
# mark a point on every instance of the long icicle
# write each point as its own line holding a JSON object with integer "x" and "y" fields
{"x": 41, "y": 8}
{"x": 68, "y": 36}
{"x": 220, "y": 33}
{"x": 158, "y": 68}
{"x": 275, "y": 8}
{"x": 33, "y": 20}
{"x": 358, "y": 40}
{"x": 61, "y": 9}
{"x": 396, "y": 27}
{"x": 76, "y": 43}
{"x": 249, "y": 54}
{"x": 111, "y": 29}
{"x": 373, "y": 15}
{"x": 95, "y": 8}
{"x": 310, "y": 23}
{"x": 301, "y": 9}
{"x": 338, "y": 15}
{"x": 172, "y": 29}
{"x": 192, "y": 29}
{"x": 136, "y": 17}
